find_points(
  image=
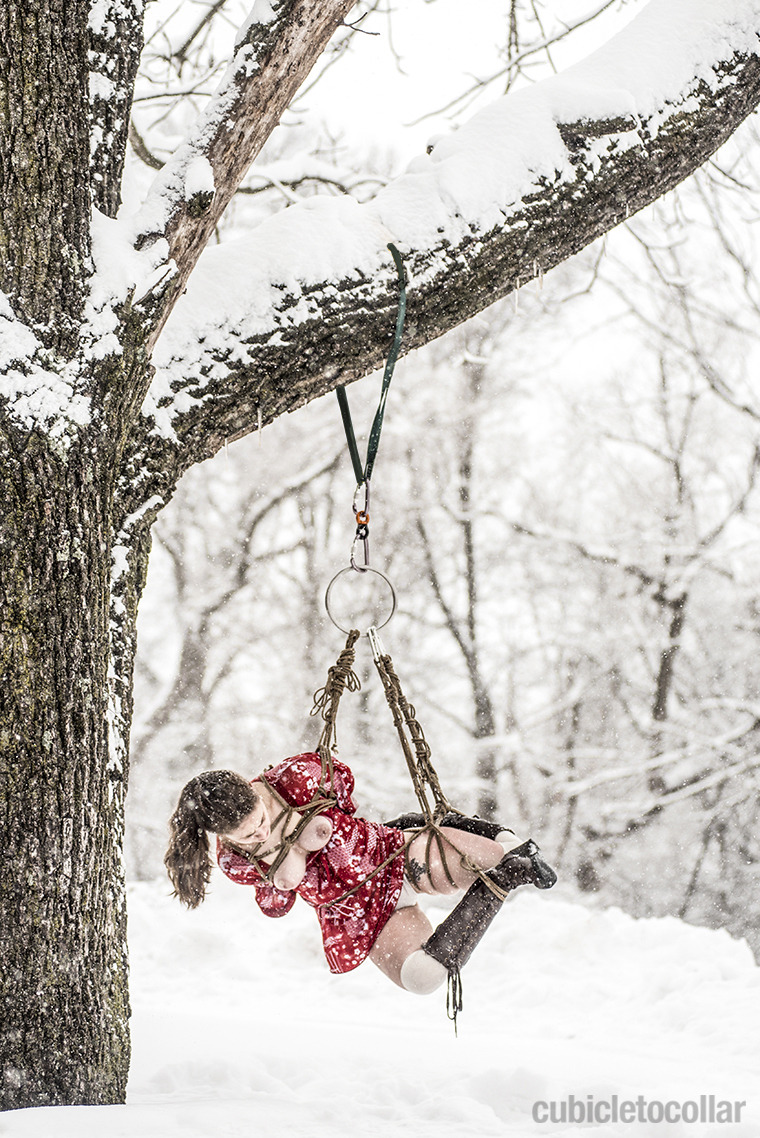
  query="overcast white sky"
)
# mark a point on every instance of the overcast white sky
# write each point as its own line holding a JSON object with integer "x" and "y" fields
{"x": 413, "y": 63}
{"x": 442, "y": 45}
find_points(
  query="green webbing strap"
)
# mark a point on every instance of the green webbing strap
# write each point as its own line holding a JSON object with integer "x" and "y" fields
{"x": 377, "y": 423}
{"x": 348, "y": 427}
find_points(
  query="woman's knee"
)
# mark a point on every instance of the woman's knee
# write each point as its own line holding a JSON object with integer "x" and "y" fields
{"x": 421, "y": 974}
{"x": 406, "y": 931}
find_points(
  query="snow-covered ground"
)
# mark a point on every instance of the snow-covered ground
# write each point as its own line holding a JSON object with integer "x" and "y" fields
{"x": 240, "y": 1030}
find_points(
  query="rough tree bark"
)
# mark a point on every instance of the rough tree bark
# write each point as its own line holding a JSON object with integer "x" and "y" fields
{"x": 68, "y": 403}
{"x": 62, "y": 935}
{"x": 44, "y": 158}
{"x": 86, "y": 462}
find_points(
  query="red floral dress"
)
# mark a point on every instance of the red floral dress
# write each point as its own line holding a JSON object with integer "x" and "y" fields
{"x": 351, "y": 926}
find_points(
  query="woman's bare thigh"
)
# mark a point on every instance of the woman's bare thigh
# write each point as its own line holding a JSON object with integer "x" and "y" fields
{"x": 404, "y": 932}
{"x": 430, "y": 873}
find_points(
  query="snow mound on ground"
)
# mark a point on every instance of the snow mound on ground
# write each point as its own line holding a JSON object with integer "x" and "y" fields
{"x": 239, "y": 1029}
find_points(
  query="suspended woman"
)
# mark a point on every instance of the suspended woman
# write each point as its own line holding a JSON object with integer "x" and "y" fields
{"x": 291, "y": 831}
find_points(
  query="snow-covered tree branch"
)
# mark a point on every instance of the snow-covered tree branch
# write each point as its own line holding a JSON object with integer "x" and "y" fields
{"x": 274, "y": 53}
{"x": 523, "y": 186}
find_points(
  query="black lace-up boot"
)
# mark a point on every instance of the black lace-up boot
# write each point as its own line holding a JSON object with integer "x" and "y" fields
{"x": 454, "y": 940}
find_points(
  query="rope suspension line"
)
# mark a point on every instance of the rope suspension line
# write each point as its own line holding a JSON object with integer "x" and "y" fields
{"x": 413, "y": 742}
{"x": 435, "y": 828}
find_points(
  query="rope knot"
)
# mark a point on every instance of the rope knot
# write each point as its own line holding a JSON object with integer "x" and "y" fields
{"x": 339, "y": 677}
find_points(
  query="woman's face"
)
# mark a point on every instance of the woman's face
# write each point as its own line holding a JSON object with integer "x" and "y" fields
{"x": 254, "y": 828}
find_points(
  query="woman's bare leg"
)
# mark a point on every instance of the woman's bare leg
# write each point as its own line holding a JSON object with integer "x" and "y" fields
{"x": 447, "y": 868}
{"x": 404, "y": 932}
{"x": 425, "y": 865}
{"x": 408, "y": 928}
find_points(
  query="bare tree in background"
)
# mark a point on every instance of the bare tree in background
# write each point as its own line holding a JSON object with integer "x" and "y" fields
{"x": 659, "y": 537}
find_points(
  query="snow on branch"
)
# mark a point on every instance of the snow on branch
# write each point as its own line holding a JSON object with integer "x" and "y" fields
{"x": 275, "y": 51}
{"x": 307, "y": 301}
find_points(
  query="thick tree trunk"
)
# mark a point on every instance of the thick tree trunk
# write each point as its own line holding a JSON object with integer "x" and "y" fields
{"x": 44, "y": 163}
{"x": 116, "y": 40}
{"x": 63, "y": 999}
{"x": 75, "y": 517}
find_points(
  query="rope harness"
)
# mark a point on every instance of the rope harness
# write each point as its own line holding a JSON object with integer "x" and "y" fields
{"x": 341, "y": 676}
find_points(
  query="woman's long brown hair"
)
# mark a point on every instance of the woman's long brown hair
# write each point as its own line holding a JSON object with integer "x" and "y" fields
{"x": 213, "y": 802}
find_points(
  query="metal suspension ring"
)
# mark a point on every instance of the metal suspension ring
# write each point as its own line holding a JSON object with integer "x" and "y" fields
{"x": 376, "y": 607}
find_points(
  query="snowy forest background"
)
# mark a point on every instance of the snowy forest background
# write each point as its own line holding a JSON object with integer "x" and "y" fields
{"x": 565, "y": 498}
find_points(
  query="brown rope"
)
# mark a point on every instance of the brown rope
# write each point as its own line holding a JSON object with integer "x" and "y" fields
{"x": 318, "y": 804}
{"x": 423, "y": 773}
{"x": 341, "y": 676}
{"x": 434, "y": 834}
{"x": 326, "y": 700}
{"x": 400, "y": 852}
{"x": 410, "y": 734}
